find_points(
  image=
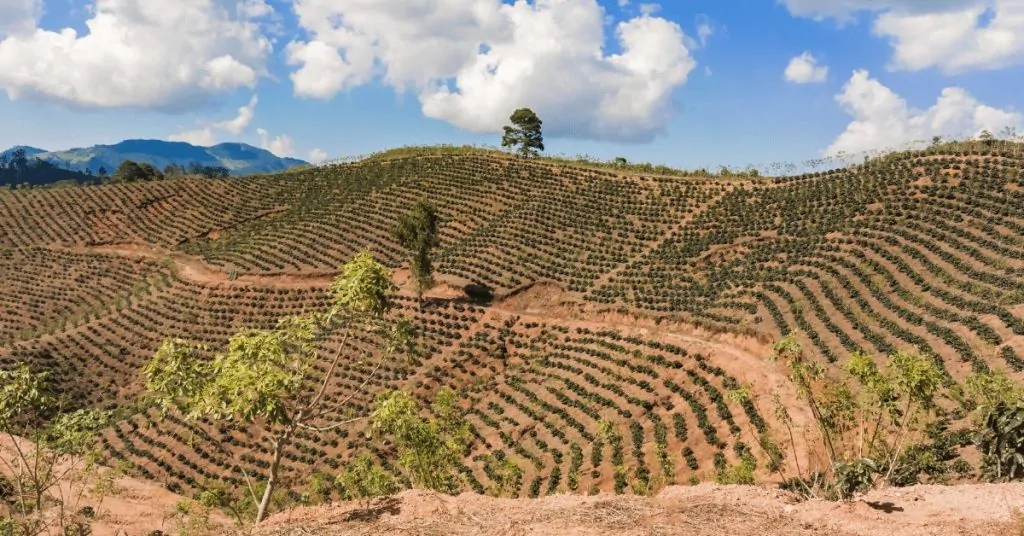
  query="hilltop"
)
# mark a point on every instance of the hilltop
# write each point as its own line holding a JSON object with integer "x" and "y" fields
{"x": 567, "y": 295}
{"x": 238, "y": 158}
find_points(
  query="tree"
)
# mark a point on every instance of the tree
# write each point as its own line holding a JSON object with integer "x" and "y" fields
{"x": 524, "y": 132}
{"x": 150, "y": 172}
{"x": 866, "y": 434}
{"x": 44, "y": 447}
{"x": 101, "y": 172}
{"x": 269, "y": 378}
{"x": 428, "y": 449}
{"x": 999, "y": 423}
{"x": 986, "y": 137}
{"x": 171, "y": 170}
{"x": 417, "y": 233}
{"x": 129, "y": 171}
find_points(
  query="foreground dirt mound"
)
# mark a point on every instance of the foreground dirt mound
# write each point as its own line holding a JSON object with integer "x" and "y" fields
{"x": 707, "y": 509}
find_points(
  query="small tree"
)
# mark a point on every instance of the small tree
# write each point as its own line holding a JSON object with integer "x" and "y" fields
{"x": 44, "y": 447}
{"x": 428, "y": 449}
{"x": 866, "y": 434}
{"x": 524, "y": 132}
{"x": 269, "y": 378}
{"x": 364, "y": 481}
{"x": 417, "y": 233}
{"x": 999, "y": 424}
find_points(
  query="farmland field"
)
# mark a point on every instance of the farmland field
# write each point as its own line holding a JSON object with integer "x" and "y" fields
{"x": 593, "y": 294}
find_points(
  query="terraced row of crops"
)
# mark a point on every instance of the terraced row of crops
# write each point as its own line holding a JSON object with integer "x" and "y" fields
{"x": 919, "y": 249}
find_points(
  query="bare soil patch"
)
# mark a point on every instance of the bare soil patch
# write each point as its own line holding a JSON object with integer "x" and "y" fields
{"x": 702, "y": 510}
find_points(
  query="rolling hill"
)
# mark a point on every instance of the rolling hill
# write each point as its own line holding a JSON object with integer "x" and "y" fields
{"x": 238, "y": 158}
{"x": 567, "y": 295}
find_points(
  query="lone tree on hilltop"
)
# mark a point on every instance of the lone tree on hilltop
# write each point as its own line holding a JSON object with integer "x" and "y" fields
{"x": 417, "y": 233}
{"x": 270, "y": 379}
{"x": 524, "y": 132}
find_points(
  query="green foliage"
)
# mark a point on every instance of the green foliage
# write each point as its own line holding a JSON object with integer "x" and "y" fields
{"x": 58, "y": 443}
{"x": 1001, "y": 439}
{"x": 23, "y": 393}
{"x": 131, "y": 171}
{"x": 417, "y": 233}
{"x": 739, "y": 473}
{"x": 362, "y": 289}
{"x": 524, "y": 132}
{"x": 363, "y": 480}
{"x": 266, "y": 377}
{"x": 867, "y": 419}
{"x": 506, "y": 475}
{"x": 428, "y": 449}
{"x": 854, "y": 476}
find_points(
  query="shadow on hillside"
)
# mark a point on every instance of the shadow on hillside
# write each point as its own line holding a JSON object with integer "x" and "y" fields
{"x": 886, "y": 507}
{"x": 373, "y": 513}
{"x": 479, "y": 294}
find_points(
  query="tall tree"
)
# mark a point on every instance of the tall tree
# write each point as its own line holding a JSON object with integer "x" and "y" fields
{"x": 270, "y": 379}
{"x": 524, "y": 132}
{"x": 129, "y": 171}
{"x": 417, "y": 233}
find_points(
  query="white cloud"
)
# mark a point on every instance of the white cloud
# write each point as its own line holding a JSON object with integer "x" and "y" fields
{"x": 245, "y": 114}
{"x": 19, "y": 16}
{"x": 704, "y": 31}
{"x": 649, "y": 9}
{"x": 139, "y": 53}
{"x": 316, "y": 155}
{"x": 804, "y": 69}
{"x": 472, "y": 62}
{"x": 951, "y": 35}
{"x": 205, "y": 136}
{"x": 280, "y": 145}
{"x": 882, "y": 119}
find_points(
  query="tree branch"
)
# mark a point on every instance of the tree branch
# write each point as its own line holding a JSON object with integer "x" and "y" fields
{"x": 330, "y": 371}
{"x": 329, "y": 427}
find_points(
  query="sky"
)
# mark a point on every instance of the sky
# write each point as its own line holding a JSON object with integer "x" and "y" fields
{"x": 685, "y": 83}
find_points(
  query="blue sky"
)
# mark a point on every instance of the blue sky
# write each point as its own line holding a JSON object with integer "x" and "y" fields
{"x": 145, "y": 69}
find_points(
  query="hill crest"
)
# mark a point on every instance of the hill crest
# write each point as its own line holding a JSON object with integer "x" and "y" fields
{"x": 238, "y": 158}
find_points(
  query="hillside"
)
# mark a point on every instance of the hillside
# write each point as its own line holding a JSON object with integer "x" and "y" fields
{"x": 238, "y": 158}
{"x": 567, "y": 295}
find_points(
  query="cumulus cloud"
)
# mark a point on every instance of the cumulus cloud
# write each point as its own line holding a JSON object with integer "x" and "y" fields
{"x": 472, "y": 62}
{"x": 316, "y": 155}
{"x": 19, "y": 16}
{"x": 882, "y": 119}
{"x": 950, "y": 35}
{"x": 804, "y": 69}
{"x": 280, "y": 145}
{"x": 206, "y": 136}
{"x": 138, "y": 53}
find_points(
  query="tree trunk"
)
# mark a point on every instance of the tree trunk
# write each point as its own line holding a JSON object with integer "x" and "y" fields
{"x": 275, "y": 466}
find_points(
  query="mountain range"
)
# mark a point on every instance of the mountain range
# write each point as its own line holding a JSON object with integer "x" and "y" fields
{"x": 238, "y": 158}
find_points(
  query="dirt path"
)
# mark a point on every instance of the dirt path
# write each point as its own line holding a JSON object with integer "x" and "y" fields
{"x": 195, "y": 269}
{"x": 703, "y": 510}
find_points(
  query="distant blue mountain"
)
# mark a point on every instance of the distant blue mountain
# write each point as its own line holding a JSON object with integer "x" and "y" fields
{"x": 238, "y": 158}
